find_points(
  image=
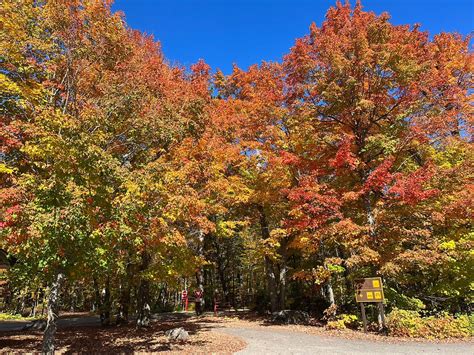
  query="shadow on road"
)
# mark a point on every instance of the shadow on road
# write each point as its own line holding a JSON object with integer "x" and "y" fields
{"x": 85, "y": 335}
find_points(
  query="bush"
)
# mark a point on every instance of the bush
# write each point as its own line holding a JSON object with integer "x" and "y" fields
{"x": 411, "y": 324}
{"x": 398, "y": 300}
{"x": 343, "y": 321}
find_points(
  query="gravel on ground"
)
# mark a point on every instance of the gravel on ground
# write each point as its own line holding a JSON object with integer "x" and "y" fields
{"x": 281, "y": 341}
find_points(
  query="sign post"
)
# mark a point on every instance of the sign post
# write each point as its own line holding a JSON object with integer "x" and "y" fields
{"x": 370, "y": 290}
{"x": 381, "y": 315}
{"x": 184, "y": 297}
{"x": 364, "y": 317}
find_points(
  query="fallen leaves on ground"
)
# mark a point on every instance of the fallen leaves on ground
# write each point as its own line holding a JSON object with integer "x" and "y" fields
{"x": 128, "y": 339}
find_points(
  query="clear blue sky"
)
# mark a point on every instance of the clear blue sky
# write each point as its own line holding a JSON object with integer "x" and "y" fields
{"x": 249, "y": 31}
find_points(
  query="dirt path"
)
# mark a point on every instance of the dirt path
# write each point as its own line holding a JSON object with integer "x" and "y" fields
{"x": 272, "y": 341}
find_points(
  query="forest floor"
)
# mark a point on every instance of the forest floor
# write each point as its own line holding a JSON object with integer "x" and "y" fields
{"x": 82, "y": 333}
{"x": 242, "y": 333}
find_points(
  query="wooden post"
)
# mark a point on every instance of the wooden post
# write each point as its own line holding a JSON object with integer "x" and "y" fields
{"x": 381, "y": 315}
{"x": 364, "y": 317}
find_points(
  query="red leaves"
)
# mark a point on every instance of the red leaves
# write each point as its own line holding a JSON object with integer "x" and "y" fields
{"x": 313, "y": 205}
{"x": 410, "y": 189}
{"x": 16, "y": 238}
{"x": 380, "y": 177}
{"x": 10, "y": 136}
{"x": 344, "y": 156}
{"x": 289, "y": 158}
{"x": 10, "y": 216}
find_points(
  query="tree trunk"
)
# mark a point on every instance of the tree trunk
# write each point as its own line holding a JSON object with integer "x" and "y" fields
{"x": 124, "y": 304}
{"x": 125, "y": 289}
{"x": 370, "y": 216}
{"x": 35, "y": 304}
{"x": 223, "y": 280}
{"x": 221, "y": 270}
{"x": 73, "y": 300}
{"x": 106, "y": 304}
{"x": 269, "y": 267}
{"x": 282, "y": 272}
{"x": 42, "y": 304}
{"x": 282, "y": 286}
{"x": 271, "y": 284}
{"x": 97, "y": 301}
{"x": 53, "y": 312}
{"x": 143, "y": 319}
{"x": 199, "y": 273}
{"x": 330, "y": 292}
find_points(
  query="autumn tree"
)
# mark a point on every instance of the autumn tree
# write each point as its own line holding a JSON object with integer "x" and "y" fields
{"x": 120, "y": 172}
{"x": 370, "y": 104}
{"x": 91, "y": 112}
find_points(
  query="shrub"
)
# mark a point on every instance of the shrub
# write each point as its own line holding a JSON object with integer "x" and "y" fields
{"x": 343, "y": 321}
{"x": 404, "y": 323}
{"x": 329, "y": 313}
{"x": 411, "y": 324}
{"x": 447, "y": 326}
{"x": 398, "y": 300}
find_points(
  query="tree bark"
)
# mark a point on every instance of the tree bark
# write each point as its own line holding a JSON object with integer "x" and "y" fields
{"x": 199, "y": 272}
{"x": 53, "y": 312}
{"x": 97, "y": 301}
{"x": 221, "y": 269}
{"x": 106, "y": 304}
{"x": 125, "y": 289}
{"x": 35, "y": 304}
{"x": 282, "y": 286}
{"x": 222, "y": 277}
{"x": 330, "y": 291}
{"x": 271, "y": 284}
{"x": 269, "y": 265}
{"x": 143, "y": 319}
{"x": 370, "y": 216}
{"x": 123, "y": 315}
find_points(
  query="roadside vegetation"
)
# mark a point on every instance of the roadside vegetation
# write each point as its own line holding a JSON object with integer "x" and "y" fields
{"x": 10, "y": 316}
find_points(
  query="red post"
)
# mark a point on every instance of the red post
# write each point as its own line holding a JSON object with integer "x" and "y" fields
{"x": 184, "y": 296}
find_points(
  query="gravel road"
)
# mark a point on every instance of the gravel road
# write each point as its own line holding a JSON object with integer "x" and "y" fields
{"x": 262, "y": 341}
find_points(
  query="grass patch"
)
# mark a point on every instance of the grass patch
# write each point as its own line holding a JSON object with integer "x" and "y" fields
{"x": 9, "y": 316}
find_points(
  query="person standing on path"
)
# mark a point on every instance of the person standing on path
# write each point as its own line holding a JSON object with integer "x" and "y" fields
{"x": 198, "y": 298}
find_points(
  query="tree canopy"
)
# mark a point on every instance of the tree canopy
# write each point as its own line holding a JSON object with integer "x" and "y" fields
{"x": 123, "y": 176}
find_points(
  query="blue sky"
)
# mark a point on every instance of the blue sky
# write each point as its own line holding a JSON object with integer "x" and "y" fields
{"x": 249, "y": 31}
